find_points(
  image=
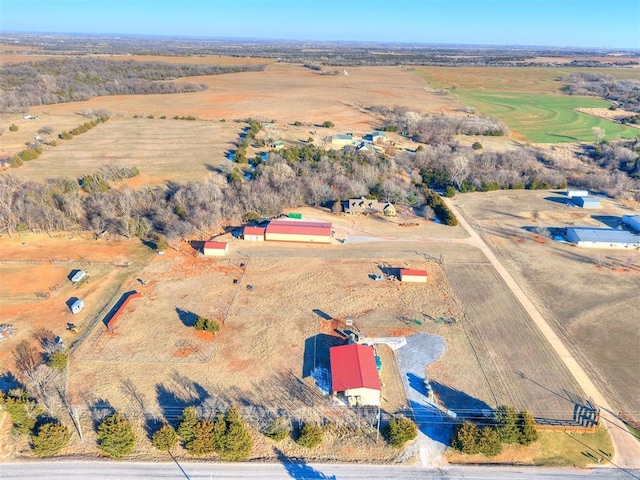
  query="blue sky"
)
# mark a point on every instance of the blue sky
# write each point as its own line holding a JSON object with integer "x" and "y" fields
{"x": 582, "y": 23}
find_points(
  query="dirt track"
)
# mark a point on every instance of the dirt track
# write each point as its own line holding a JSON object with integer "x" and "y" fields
{"x": 627, "y": 452}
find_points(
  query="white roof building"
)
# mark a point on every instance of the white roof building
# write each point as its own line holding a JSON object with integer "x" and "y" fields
{"x": 602, "y": 238}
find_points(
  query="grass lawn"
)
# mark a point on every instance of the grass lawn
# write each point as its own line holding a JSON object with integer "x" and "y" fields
{"x": 529, "y": 100}
{"x": 553, "y": 449}
{"x": 567, "y": 448}
{"x": 544, "y": 118}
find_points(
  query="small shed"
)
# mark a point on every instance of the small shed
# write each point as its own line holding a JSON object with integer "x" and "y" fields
{"x": 215, "y": 249}
{"x": 631, "y": 221}
{"x": 76, "y": 306}
{"x": 253, "y": 234}
{"x": 577, "y": 193}
{"x": 587, "y": 202}
{"x": 79, "y": 276}
{"x": 414, "y": 276}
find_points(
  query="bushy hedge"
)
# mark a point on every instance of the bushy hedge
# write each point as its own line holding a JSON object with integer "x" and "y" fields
{"x": 401, "y": 430}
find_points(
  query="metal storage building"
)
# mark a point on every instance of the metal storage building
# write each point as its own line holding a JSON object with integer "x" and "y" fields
{"x": 215, "y": 249}
{"x": 577, "y": 193}
{"x": 254, "y": 234}
{"x": 587, "y": 202}
{"x": 602, "y": 238}
{"x": 76, "y": 306}
{"x": 415, "y": 276}
{"x": 632, "y": 221}
{"x": 354, "y": 374}
{"x": 296, "y": 231}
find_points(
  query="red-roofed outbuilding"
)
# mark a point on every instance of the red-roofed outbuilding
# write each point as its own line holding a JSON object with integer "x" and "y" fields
{"x": 417, "y": 276}
{"x": 354, "y": 374}
{"x": 215, "y": 249}
{"x": 255, "y": 234}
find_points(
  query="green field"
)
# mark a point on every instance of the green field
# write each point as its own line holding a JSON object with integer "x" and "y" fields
{"x": 544, "y": 118}
{"x": 529, "y": 100}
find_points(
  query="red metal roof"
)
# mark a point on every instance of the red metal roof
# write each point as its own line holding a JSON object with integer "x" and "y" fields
{"x": 215, "y": 245}
{"x": 299, "y": 228}
{"x": 129, "y": 296}
{"x": 353, "y": 366}
{"x": 405, "y": 272}
{"x": 253, "y": 231}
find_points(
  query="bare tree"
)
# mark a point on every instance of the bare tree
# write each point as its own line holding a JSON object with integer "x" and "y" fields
{"x": 598, "y": 134}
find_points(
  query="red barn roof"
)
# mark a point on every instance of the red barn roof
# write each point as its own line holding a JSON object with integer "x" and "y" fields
{"x": 215, "y": 245}
{"x": 405, "y": 272}
{"x": 353, "y": 366}
{"x": 253, "y": 231}
{"x": 299, "y": 228}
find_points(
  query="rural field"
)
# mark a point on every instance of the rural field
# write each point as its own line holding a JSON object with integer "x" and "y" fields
{"x": 589, "y": 296}
{"x": 530, "y": 102}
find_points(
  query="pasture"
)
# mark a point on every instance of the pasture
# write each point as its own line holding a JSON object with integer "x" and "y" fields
{"x": 529, "y": 100}
{"x": 589, "y": 296}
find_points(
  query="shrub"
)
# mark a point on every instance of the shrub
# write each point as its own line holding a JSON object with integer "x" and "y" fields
{"x": 466, "y": 437}
{"x": 161, "y": 244}
{"x": 50, "y": 439}
{"x": 401, "y": 430}
{"x": 489, "y": 442}
{"x": 14, "y": 127}
{"x": 22, "y": 414}
{"x": 328, "y": 124}
{"x": 476, "y": 146}
{"x": 187, "y": 423}
{"x": 58, "y": 360}
{"x": 165, "y": 438}
{"x": 449, "y": 192}
{"x": 116, "y": 435}
{"x": 207, "y": 325}
{"x": 310, "y": 436}
{"x": 527, "y": 429}
{"x": 202, "y": 442}
{"x": 65, "y": 136}
{"x": 279, "y": 429}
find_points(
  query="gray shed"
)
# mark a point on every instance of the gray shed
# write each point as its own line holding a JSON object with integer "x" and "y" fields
{"x": 77, "y": 306}
{"x": 632, "y": 221}
{"x": 587, "y": 202}
{"x": 78, "y": 276}
{"x": 577, "y": 193}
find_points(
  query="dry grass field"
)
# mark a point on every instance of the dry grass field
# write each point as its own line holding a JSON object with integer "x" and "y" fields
{"x": 589, "y": 296}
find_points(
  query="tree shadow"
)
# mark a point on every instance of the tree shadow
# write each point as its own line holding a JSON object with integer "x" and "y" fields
{"x": 152, "y": 425}
{"x": 99, "y": 410}
{"x": 173, "y": 402}
{"x": 297, "y": 468}
{"x": 316, "y": 352}
{"x": 187, "y": 318}
{"x": 8, "y": 381}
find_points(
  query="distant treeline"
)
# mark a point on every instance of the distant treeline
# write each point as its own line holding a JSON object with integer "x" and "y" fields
{"x": 625, "y": 93}
{"x": 60, "y": 80}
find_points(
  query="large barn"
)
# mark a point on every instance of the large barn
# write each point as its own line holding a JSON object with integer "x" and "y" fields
{"x": 296, "y": 231}
{"x": 354, "y": 374}
{"x": 602, "y": 238}
{"x": 632, "y": 221}
{"x": 586, "y": 202}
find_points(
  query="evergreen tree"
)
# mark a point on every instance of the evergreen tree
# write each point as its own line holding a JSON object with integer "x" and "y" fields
{"x": 310, "y": 436}
{"x": 165, "y": 438}
{"x": 527, "y": 428}
{"x": 202, "y": 441}
{"x": 506, "y": 420}
{"x": 400, "y": 430}
{"x": 50, "y": 439}
{"x": 466, "y": 438}
{"x": 489, "y": 442}
{"x": 116, "y": 435}
{"x": 187, "y": 422}
{"x": 237, "y": 444}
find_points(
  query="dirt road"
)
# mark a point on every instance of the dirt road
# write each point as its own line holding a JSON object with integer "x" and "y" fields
{"x": 627, "y": 448}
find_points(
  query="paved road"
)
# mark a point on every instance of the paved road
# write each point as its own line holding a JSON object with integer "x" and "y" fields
{"x": 100, "y": 470}
{"x": 627, "y": 448}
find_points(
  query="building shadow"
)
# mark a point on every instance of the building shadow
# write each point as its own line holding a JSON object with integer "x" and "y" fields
{"x": 298, "y": 469}
{"x": 390, "y": 271}
{"x": 109, "y": 316}
{"x": 609, "y": 220}
{"x": 562, "y": 200}
{"x": 316, "y": 352}
{"x": 197, "y": 245}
